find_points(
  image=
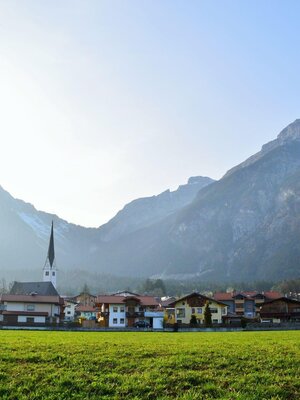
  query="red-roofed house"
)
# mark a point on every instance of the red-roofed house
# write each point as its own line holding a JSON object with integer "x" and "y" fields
{"x": 246, "y": 303}
{"x": 31, "y": 309}
{"x": 124, "y": 309}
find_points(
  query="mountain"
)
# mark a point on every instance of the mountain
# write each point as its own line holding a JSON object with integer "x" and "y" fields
{"x": 244, "y": 227}
{"x": 24, "y": 236}
{"x": 146, "y": 211}
{"x": 25, "y": 231}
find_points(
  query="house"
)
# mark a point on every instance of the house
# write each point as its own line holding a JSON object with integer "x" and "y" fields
{"x": 247, "y": 303}
{"x": 70, "y": 307}
{"x": 85, "y": 299}
{"x": 31, "y": 303}
{"x": 123, "y": 309}
{"x": 194, "y": 304}
{"x": 86, "y": 312}
{"x": 279, "y": 310}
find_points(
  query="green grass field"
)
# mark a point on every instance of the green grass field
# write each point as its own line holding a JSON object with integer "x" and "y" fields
{"x": 92, "y": 365}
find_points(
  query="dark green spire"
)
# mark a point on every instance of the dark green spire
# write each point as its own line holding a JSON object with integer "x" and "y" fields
{"x": 51, "y": 254}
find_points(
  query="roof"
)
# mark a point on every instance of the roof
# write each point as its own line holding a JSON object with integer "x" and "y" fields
{"x": 86, "y": 309}
{"x": 224, "y": 296}
{"x": 199, "y": 295}
{"x": 167, "y": 302}
{"x": 40, "y": 288}
{"x": 285, "y": 299}
{"x": 19, "y": 298}
{"x": 273, "y": 295}
{"x": 112, "y": 299}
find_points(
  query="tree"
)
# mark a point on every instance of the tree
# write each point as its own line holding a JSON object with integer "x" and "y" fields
{"x": 193, "y": 320}
{"x": 207, "y": 315}
{"x": 3, "y": 286}
{"x": 154, "y": 287}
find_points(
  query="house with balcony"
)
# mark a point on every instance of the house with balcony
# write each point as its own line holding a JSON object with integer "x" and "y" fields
{"x": 123, "y": 309}
{"x": 280, "y": 310}
{"x": 31, "y": 304}
{"x": 194, "y": 304}
{"x": 245, "y": 304}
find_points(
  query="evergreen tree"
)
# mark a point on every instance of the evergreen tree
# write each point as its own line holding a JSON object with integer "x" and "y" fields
{"x": 207, "y": 315}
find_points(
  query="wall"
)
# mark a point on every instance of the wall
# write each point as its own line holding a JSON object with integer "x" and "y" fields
{"x": 51, "y": 309}
{"x": 118, "y": 315}
{"x": 37, "y": 319}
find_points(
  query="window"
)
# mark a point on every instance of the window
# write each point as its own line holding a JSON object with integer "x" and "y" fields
{"x": 122, "y": 309}
{"x": 215, "y": 321}
{"x": 115, "y": 321}
{"x": 53, "y": 273}
{"x": 180, "y": 312}
{"x": 30, "y": 307}
{"x": 30, "y": 320}
{"x": 47, "y": 273}
{"x": 199, "y": 310}
{"x": 122, "y": 320}
{"x": 115, "y": 309}
{"x": 68, "y": 312}
{"x": 224, "y": 311}
{"x": 213, "y": 310}
{"x": 193, "y": 310}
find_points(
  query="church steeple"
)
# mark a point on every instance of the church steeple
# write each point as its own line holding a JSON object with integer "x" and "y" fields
{"x": 50, "y": 270}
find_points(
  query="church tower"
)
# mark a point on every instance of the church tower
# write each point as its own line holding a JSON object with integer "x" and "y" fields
{"x": 50, "y": 270}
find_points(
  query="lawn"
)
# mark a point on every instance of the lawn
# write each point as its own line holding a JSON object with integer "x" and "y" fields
{"x": 109, "y": 365}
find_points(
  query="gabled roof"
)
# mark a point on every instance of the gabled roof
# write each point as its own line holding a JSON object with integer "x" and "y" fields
{"x": 198, "y": 295}
{"x": 284, "y": 299}
{"x": 40, "y": 288}
{"x": 23, "y": 298}
{"x": 110, "y": 299}
{"x": 224, "y": 296}
{"x": 113, "y": 299}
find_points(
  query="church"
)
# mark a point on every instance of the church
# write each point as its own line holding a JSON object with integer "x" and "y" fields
{"x": 34, "y": 303}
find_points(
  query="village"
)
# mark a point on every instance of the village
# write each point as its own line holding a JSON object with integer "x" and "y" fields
{"x": 38, "y": 304}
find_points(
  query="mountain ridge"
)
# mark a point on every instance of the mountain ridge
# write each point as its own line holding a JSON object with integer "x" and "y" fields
{"x": 243, "y": 227}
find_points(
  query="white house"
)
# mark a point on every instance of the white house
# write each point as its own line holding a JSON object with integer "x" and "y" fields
{"x": 70, "y": 307}
{"x": 31, "y": 309}
{"x": 125, "y": 308}
{"x": 31, "y": 303}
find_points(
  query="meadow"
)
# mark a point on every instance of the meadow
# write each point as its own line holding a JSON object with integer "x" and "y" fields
{"x": 145, "y": 365}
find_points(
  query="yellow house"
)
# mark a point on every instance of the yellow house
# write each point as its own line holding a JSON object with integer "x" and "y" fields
{"x": 194, "y": 304}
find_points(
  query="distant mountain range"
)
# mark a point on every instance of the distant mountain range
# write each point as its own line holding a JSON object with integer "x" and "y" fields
{"x": 244, "y": 227}
{"x": 24, "y": 232}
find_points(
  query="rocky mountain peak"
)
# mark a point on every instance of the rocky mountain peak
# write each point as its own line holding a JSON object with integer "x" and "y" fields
{"x": 291, "y": 132}
{"x": 288, "y": 134}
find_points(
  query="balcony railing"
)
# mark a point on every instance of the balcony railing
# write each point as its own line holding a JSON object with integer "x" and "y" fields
{"x": 135, "y": 314}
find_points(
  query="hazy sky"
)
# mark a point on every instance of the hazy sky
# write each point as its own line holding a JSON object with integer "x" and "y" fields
{"x": 103, "y": 102}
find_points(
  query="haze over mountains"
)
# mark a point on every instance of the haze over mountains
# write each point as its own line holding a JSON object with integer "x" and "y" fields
{"x": 24, "y": 232}
{"x": 246, "y": 226}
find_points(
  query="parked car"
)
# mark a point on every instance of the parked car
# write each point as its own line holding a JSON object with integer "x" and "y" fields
{"x": 142, "y": 324}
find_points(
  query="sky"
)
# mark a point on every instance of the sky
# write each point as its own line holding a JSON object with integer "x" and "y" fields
{"x": 103, "y": 102}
